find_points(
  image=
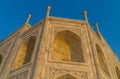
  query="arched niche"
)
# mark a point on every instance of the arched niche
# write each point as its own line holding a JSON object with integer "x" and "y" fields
{"x": 67, "y": 47}
{"x": 67, "y": 76}
{"x": 1, "y": 59}
{"x": 117, "y": 72}
{"x": 101, "y": 59}
{"x": 25, "y": 52}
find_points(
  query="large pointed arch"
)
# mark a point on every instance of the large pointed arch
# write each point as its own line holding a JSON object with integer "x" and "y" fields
{"x": 67, "y": 47}
{"x": 101, "y": 59}
{"x": 25, "y": 52}
{"x": 67, "y": 76}
{"x": 117, "y": 72}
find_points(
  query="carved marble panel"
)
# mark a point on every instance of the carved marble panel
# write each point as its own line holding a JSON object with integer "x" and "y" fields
{"x": 56, "y": 73}
{"x": 22, "y": 75}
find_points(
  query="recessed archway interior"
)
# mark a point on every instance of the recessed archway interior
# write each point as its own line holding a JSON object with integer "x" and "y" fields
{"x": 67, "y": 76}
{"x": 25, "y": 52}
{"x": 117, "y": 72}
{"x": 101, "y": 58}
{"x": 67, "y": 47}
{"x": 0, "y": 59}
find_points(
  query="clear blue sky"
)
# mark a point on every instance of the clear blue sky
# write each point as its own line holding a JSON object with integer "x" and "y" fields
{"x": 13, "y": 14}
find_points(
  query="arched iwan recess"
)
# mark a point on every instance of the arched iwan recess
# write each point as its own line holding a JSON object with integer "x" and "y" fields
{"x": 67, "y": 47}
{"x": 102, "y": 60}
{"x": 117, "y": 72}
{"x": 25, "y": 52}
{"x": 0, "y": 59}
{"x": 66, "y": 77}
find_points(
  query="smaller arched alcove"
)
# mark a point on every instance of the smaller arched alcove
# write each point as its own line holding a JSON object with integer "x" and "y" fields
{"x": 101, "y": 59}
{"x": 1, "y": 59}
{"x": 117, "y": 72}
{"x": 67, "y": 76}
{"x": 25, "y": 52}
{"x": 67, "y": 47}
